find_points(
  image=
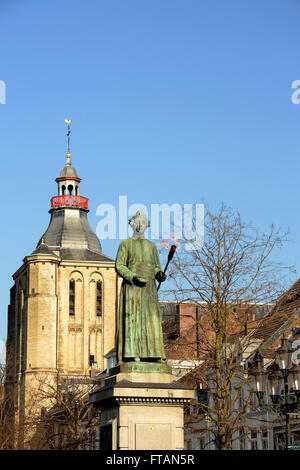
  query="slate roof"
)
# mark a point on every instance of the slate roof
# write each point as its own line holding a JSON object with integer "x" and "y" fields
{"x": 70, "y": 236}
{"x": 83, "y": 255}
{"x": 72, "y": 254}
{"x": 68, "y": 172}
{"x": 43, "y": 249}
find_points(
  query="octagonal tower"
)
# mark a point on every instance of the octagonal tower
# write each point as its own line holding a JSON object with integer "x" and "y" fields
{"x": 61, "y": 317}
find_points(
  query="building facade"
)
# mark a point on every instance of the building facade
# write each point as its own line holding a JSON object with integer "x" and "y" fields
{"x": 261, "y": 426}
{"x": 61, "y": 317}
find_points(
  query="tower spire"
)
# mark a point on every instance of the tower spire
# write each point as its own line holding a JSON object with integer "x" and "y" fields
{"x": 68, "y": 162}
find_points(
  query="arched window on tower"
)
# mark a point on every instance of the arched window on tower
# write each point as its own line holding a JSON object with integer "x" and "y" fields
{"x": 63, "y": 190}
{"x": 70, "y": 189}
{"x": 72, "y": 297}
{"x": 76, "y": 190}
{"x": 99, "y": 298}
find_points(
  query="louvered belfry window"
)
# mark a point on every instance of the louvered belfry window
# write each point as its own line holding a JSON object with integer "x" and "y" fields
{"x": 72, "y": 297}
{"x": 99, "y": 299}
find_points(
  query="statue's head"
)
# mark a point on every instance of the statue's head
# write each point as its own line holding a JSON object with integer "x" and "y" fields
{"x": 139, "y": 223}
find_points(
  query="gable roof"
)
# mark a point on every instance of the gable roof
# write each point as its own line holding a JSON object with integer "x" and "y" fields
{"x": 197, "y": 375}
{"x": 282, "y": 316}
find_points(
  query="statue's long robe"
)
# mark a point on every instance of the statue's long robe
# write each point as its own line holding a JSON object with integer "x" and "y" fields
{"x": 139, "y": 332}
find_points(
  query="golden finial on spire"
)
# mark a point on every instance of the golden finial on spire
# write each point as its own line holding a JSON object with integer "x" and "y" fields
{"x": 68, "y": 121}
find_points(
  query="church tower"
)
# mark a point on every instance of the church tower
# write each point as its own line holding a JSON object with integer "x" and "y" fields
{"x": 61, "y": 317}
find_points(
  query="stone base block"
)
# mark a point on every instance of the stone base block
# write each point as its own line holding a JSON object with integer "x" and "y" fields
{"x": 142, "y": 366}
{"x": 141, "y": 411}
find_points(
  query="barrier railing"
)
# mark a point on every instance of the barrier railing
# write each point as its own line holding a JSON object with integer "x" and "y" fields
{"x": 68, "y": 200}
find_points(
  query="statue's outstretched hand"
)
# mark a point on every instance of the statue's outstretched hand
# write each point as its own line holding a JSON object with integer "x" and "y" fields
{"x": 139, "y": 281}
{"x": 160, "y": 276}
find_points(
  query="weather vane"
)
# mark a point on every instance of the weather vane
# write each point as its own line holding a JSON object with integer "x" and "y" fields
{"x": 68, "y": 121}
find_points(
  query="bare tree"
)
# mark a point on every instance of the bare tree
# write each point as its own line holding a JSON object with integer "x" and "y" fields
{"x": 54, "y": 415}
{"x": 5, "y": 437}
{"x": 7, "y": 430}
{"x": 232, "y": 268}
{"x": 69, "y": 421}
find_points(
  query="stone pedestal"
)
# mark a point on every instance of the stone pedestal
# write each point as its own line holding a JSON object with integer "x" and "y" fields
{"x": 141, "y": 410}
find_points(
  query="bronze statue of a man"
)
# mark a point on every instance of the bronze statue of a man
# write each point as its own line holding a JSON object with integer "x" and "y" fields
{"x": 139, "y": 335}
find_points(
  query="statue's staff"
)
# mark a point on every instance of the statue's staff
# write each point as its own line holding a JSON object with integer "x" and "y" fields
{"x": 170, "y": 256}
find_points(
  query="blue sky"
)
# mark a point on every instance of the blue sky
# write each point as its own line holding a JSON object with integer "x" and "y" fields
{"x": 170, "y": 101}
